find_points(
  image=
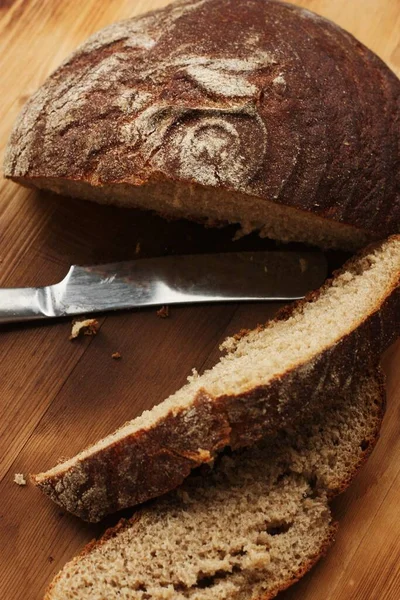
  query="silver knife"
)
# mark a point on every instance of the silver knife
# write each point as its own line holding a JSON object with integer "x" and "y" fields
{"x": 230, "y": 277}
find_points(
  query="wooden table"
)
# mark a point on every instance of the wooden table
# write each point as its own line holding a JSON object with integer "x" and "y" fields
{"x": 56, "y": 396}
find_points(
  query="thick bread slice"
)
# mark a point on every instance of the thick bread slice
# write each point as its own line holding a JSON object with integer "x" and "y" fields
{"x": 248, "y": 529}
{"x": 285, "y": 125}
{"x": 268, "y": 378}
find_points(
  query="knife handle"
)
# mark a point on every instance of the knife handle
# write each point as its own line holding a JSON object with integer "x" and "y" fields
{"x": 24, "y": 304}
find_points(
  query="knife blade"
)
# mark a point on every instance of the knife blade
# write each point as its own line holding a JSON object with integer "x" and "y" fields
{"x": 183, "y": 279}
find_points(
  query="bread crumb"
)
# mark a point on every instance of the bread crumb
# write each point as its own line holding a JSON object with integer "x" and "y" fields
{"x": 116, "y": 355}
{"x": 203, "y": 455}
{"x": 85, "y": 327}
{"x": 195, "y": 375}
{"x": 200, "y": 455}
{"x": 137, "y": 248}
{"x": 19, "y": 479}
{"x": 50, "y": 559}
{"x": 163, "y": 312}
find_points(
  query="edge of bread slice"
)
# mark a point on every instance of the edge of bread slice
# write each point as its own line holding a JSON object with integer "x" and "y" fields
{"x": 267, "y": 379}
{"x": 248, "y": 528}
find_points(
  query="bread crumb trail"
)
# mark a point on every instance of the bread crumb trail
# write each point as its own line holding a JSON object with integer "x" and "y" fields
{"x": 116, "y": 355}
{"x": 19, "y": 479}
{"x": 85, "y": 327}
{"x": 163, "y": 312}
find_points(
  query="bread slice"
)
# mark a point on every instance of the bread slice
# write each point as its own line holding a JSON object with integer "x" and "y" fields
{"x": 285, "y": 125}
{"x": 269, "y": 376}
{"x": 249, "y": 528}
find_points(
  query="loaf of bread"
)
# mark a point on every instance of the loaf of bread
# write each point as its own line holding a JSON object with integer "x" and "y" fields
{"x": 257, "y": 113}
{"x": 268, "y": 377}
{"x": 249, "y": 528}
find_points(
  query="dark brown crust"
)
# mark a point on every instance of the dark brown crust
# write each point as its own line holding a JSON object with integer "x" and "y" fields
{"x": 371, "y": 441}
{"x": 329, "y": 369}
{"x": 330, "y": 538}
{"x": 123, "y": 524}
{"x": 108, "y": 534}
{"x": 380, "y": 401}
{"x": 149, "y": 463}
{"x": 126, "y": 523}
{"x": 309, "y": 119}
{"x": 159, "y": 454}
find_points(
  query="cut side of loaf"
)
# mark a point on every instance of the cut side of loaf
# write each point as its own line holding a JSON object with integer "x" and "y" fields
{"x": 269, "y": 378}
{"x": 247, "y": 529}
{"x": 286, "y": 124}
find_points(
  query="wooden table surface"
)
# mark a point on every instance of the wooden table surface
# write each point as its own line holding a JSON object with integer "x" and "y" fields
{"x": 56, "y": 396}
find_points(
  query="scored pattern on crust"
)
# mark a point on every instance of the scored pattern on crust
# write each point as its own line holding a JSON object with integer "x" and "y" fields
{"x": 285, "y": 106}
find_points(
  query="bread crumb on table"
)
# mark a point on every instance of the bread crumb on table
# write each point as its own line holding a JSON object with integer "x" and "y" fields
{"x": 163, "y": 312}
{"x": 116, "y": 355}
{"x": 85, "y": 327}
{"x": 19, "y": 479}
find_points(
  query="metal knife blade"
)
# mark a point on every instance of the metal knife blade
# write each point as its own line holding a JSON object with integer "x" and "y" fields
{"x": 236, "y": 276}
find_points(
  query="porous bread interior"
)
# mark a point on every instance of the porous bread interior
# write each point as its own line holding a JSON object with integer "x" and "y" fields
{"x": 263, "y": 355}
{"x": 245, "y": 529}
{"x": 215, "y": 206}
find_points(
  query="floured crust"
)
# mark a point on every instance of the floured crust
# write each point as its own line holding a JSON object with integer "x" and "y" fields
{"x": 374, "y": 410}
{"x": 164, "y": 453}
{"x": 287, "y": 108}
{"x": 150, "y": 462}
{"x": 126, "y": 523}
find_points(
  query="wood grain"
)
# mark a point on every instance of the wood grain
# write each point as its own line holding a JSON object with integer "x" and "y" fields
{"x": 56, "y": 396}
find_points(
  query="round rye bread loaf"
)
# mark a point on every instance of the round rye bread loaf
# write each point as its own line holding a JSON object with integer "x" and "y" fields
{"x": 253, "y": 112}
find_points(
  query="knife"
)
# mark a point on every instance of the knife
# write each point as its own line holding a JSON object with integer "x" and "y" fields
{"x": 184, "y": 279}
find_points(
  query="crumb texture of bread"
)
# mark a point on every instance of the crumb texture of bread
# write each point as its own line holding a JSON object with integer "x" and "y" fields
{"x": 19, "y": 479}
{"x": 286, "y": 125}
{"x": 84, "y": 327}
{"x": 268, "y": 379}
{"x": 246, "y": 529}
